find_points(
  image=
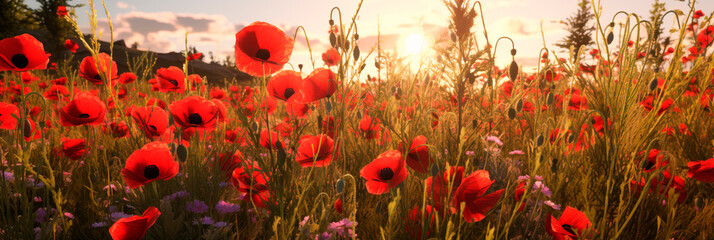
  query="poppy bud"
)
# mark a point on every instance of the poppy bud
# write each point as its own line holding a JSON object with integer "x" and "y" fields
{"x": 182, "y": 153}
{"x": 471, "y": 77}
{"x": 519, "y": 105}
{"x": 513, "y": 52}
{"x": 653, "y": 84}
{"x": 554, "y": 165}
{"x": 27, "y": 129}
{"x": 281, "y": 154}
{"x": 328, "y": 106}
{"x": 512, "y": 113}
{"x": 171, "y": 119}
{"x": 571, "y": 138}
{"x": 333, "y": 40}
{"x": 540, "y": 140}
{"x": 332, "y": 22}
{"x": 434, "y": 170}
{"x": 453, "y": 37}
{"x": 610, "y": 37}
{"x": 698, "y": 203}
{"x": 356, "y": 36}
{"x": 340, "y": 186}
{"x": 355, "y": 53}
{"x": 612, "y": 24}
{"x": 362, "y": 67}
{"x": 359, "y": 115}
{"x": 255, "y": 127}
{"x": 550, "y": 98}
{"x": 300, "y": 67}
{"x": 474, "y": 123}
{"x": 376, "y": 64}
{"x": 513, "y": 71}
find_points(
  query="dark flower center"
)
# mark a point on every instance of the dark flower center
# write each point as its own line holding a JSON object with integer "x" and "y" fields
{"x": 174, "y": 82}
{"x": 151, "y": 172}
{"x": 649, "y": 165}
{"x": 195, "y": 118}
{"x": 153, "y": 127}
{"x": 386, "y": 174}
{"x": 20, "y": 60}
{"x": 98, "y": 77}
{"x": 262, "y": 54}
{"x": 569, "y": 228}
{"x": 289, "y": 92}
{"x": 83, "y": 115}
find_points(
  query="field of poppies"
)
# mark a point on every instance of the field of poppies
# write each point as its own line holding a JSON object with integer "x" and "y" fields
{"x": 610, "y": 142}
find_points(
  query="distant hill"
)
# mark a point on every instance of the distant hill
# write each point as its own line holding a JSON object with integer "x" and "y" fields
{"x": 215, "y": 73}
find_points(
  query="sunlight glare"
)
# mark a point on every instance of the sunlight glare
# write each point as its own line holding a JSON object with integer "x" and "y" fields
{"x": 413, "y": 44}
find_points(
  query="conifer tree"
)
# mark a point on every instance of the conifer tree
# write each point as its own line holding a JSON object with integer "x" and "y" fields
{"x": 579, "y": 28}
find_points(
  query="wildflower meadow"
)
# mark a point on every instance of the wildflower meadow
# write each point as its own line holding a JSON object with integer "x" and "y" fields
{"x": 611, "y": 140}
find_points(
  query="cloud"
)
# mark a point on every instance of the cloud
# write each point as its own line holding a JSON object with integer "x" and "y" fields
{"x": 122, "y": 5}
{"x": 166, "y": 31}
{"x": 526, "y": 27}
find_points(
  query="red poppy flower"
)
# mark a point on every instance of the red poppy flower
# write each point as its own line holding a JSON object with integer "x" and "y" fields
{"x": 702, "y": 171}
{"x": 55, "y": 92}
{"x": 231, "y": 162}
{"x": 471, "y": 191}
{"x": 314, "y": 151}
{"x": 88, "y": 69}
{"x": 328, "y": 126}
{"x": 570, "y": 222}
{"x": 384, "y": 172}
{"x": 62, "y": 11}
{"x": 7, "y": 121}
{"x": 134, "y": 227}
{"x": 418, "y": 154}
{"x": 262, "y": 49}
{"x": 331, "y": 57}
{"x": 520, "y": 190}
{"x": 270, "y": 141}
{"x": 698, "y": 14}
{"x": 28, "y": 78}
{"x": 156, "y": 102}
{"x": 196, "y": 112}
{"x": 296, "y": 109}
{"x": 33, "y": 133}
{"x": 370, "y": 127}
{"x": 654, "y": 160}
{"x": 438, "y": 186}
{"x": 412, "y": 225}
{"x": 252, "y": 181}
{"x": 22, "y": 53}
{"x": 84, "y": 109}
{"x": 118, "y": 129}
{"x": 193, "y": 56}
{"x": 222, "y": 110}
{"x": 285, "y": 84}
{"x": 318, "y": 85}
{"x": 150, "y": 163}
{"x": 338, "y": 205}
{"x": 269, "y": 104}
{"x": 218, "y": 93}
{"x": 127, "y": 77}
{"x": 74, "y": 148}
{"x": 71, "y": 45}
{"x": 171, "y": 79}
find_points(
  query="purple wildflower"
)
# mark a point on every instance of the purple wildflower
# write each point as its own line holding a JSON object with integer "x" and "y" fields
{"x": 196, "y": 206}
{"x": 342, "y": 228}
{"x": 224, "y": 207}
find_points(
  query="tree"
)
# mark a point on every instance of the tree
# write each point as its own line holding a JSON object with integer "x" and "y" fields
{"x": 58, "y": 28}
{"x": 15, "y": 18}
{"x": 579, "y": 28}
{"x": 659, "y": 44}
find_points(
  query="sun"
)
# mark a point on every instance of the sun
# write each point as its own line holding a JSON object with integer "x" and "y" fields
{"x": 413, "y": 44}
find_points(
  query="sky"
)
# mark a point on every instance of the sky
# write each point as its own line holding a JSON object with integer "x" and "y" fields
{"x": 160, "y": 25}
